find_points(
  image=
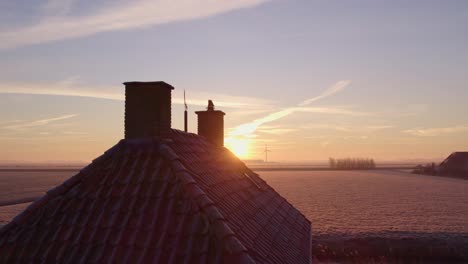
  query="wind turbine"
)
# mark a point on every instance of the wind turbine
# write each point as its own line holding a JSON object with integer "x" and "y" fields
{"x": 266, "y": 153}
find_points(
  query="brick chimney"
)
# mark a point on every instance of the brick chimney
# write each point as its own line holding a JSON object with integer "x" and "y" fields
{"x": 147, "y": 109}
{"x": 211, "y": 124}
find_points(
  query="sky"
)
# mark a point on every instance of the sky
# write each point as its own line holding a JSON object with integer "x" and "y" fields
{"x": 309, "y": 79}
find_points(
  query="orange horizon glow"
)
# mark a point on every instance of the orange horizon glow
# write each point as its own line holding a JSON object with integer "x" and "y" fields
{"x": 240, "y": 146}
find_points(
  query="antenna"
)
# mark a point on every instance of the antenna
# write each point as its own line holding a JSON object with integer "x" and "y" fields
{"x": 266, "y": 153}
{"x": 185, "y": 114}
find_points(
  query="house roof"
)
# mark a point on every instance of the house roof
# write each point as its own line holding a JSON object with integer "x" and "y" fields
{"x": 177, "y": 200}
{"x": 456, "y": 161}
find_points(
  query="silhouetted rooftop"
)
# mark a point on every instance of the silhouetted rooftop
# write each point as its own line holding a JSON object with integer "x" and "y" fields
{"x": 172, "y": 200}
{"x": 457, "y": 162}
{"x": 158, "y": 83}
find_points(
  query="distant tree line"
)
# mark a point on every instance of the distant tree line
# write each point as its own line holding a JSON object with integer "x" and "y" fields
{"x": 429, "y": 169}
{"x": 351, "y": 163}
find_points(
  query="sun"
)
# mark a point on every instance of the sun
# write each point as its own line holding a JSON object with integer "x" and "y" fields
{"x": 239, "y": 146}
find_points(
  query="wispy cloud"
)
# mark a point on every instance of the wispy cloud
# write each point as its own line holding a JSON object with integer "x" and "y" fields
{"x": 275, "y": 130}
{"x": 378, "y": 127}
{"x": 431, "y": 132}
{"x": 75, "y": 133}
{"x": 243, "y": 103}
{"x": 57, "y": 8}
{"x": 330, "y": 110}
{"x": 243, "y": 135}
{"x": 337, "y": 87}
{"x": 348, "y": 128}
{"x": 73, "y": 87}
{"x": 66, "y": 87}
{"x": 251, "y": 127}
{"x": 355, "y": 137}
{"x": 9, "y": 122}
{"x": 38, "y": 123}
{"x": 58, "y": 24}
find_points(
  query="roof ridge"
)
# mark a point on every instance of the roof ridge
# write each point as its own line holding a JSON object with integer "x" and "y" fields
{"x": 244, "y": 167}
{"x": 222, "y": 230}
{"x": 56, "y": 191}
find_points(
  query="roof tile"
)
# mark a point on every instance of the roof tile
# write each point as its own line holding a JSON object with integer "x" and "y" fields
{"x": 159, "y": 200}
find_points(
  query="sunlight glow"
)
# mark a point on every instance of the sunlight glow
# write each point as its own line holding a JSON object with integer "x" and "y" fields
{"x": 240, "y": 146}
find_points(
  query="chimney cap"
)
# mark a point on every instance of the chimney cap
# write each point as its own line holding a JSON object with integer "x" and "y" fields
{"x": 150, "y": 84}
{"x": 211, "y": 106}
{"x": 210, "y": 109}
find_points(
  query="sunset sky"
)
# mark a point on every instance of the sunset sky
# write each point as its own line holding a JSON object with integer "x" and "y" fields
{"x": 312, "y": 79}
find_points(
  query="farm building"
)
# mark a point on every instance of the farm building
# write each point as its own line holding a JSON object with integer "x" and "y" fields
{"x": 160, "y": 196}
{"x": 456, "y": 164}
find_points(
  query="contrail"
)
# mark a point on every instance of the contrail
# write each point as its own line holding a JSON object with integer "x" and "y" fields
{"x": 249, "y": 128}
{"x": 41, "y": 122}
{"x": 337, "y": 87}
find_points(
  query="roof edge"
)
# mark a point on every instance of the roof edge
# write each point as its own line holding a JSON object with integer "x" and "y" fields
{"x": 222, "y": 231}
{"x": 152, "y": 83}
{"x": 56, "y": 191}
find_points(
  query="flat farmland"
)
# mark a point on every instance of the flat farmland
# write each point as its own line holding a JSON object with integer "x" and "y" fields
{"x": 366, "y": 215}
{"x": 20, "y": 187}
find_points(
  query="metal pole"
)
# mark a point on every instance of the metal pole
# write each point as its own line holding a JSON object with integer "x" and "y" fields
{"x": 185, "y": 115}
{"x": 185, "y": 121}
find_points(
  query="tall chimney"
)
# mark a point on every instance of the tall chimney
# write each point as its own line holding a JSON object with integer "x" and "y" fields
{"x": 211, "y": 124}
{"x": 147, "y": 109}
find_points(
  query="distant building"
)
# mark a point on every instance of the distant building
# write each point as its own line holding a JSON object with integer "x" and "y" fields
{"x": 455, "y": 165}
{"x": 160, "y": 196}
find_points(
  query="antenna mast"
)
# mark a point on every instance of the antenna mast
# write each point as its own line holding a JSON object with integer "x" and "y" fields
{"x": 185, "y": 115}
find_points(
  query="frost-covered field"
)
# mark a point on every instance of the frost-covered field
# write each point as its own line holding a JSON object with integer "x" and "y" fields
{"x": 20, "y": 185}
{"x": 356, "y": 215}
{"x": 375, "y": 201}
{"x": 18, "y": 188}
{"x": 9, "y": 211}
{"x": 386, "y": 214}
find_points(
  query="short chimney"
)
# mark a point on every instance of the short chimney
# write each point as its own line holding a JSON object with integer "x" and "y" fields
{"x": 211, "y": 124}
{"x": 147, "y": 109}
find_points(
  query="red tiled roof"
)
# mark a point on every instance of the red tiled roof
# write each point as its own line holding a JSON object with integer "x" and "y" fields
{"x": 180, "y": 200}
